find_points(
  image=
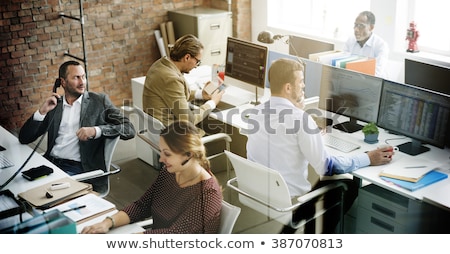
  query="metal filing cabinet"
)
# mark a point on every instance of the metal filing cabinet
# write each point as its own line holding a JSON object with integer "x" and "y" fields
{"x": 210, "y": 26}
{"x": 383, "y": 211}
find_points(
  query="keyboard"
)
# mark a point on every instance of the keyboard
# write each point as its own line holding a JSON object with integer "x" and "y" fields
{"x": 5, "y": 162}
{"x": 339, "y": 144}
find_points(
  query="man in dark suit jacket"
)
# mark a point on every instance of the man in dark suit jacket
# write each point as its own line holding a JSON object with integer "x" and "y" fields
{"x": 77, "y": 124}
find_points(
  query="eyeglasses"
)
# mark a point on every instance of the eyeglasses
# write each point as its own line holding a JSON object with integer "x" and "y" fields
{"x": 198, "y": 61}
{"x": 359, "y": 25}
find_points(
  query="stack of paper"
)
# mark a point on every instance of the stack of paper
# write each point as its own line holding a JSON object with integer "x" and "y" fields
{"x": 429, "y": 178}
{"x": 84, "y": 207}
{"x": 409, "y": 169}
{"x": 412, "y": 174}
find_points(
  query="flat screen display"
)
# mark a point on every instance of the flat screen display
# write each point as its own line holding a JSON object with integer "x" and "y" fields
{"x": 349, "y": 93}
{"x": 421, "y": 114}
{"x": 246, "y": 62}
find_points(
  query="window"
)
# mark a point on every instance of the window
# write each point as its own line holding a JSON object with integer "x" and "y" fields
{"x": 324, "y": 18}
{"x": 430, "y": 18}
{"x": 333, "y": 20}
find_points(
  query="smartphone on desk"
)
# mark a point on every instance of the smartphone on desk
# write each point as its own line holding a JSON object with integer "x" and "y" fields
{"x": 33, "y": 173}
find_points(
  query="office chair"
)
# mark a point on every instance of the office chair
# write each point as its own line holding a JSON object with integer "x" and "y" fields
{"x": 228, "y": 217}
{"x": 150, "y": 128}
{"x": 265, "y": 190}
{"x": 111, "y": 168}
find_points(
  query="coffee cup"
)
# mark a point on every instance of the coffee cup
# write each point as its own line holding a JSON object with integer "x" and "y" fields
{"x": 388, "y": 148}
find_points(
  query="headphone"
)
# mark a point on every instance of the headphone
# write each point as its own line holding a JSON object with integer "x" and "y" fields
{"x": 186, "y": 161}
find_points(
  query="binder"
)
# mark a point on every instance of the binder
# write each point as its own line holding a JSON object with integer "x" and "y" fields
{"x": 430, "y": 178}
{"x": 316, "y": 56}
{"x": 328, "y": 57}
{"x": 342, "y": 63}
{"x": 367, "y": 66}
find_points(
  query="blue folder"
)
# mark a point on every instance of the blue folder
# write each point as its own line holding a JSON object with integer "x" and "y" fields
{"x": 431, "y": 177}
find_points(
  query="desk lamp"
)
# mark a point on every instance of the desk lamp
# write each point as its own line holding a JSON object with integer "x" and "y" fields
{"x": 269, "y": 38}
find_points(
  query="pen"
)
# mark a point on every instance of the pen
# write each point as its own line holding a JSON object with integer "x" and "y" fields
{"x": 416, "y": 167}
{"x": 74, "y": 209}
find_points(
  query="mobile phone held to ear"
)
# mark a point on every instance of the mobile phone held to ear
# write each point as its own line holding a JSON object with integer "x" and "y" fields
{"x": 33, "y": 173}
{"x": 55, "y": 87}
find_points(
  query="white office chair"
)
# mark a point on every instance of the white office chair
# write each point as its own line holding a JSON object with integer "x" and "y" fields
{"x": 264, "y": 190}
{"x": 228, "y": 217}
{"x": 151, "y": 127}
{"x": 111, "y": 168}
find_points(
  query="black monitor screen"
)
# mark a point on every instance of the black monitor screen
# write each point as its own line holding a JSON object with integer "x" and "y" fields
{"x": 246, "y": 62}
{"x": 429, "y": 76}
{"x": 415, "y": 112}
{"x": 349, "y": 93}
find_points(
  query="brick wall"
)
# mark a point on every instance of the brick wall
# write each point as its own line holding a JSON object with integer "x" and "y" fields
{"x": 120, "y": 45}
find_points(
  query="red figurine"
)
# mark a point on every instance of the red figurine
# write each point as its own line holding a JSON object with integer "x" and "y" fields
{"x": 412, "y": 35}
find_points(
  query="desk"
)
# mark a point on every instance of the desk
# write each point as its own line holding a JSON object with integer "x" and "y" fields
{"x": 18, "y": 153}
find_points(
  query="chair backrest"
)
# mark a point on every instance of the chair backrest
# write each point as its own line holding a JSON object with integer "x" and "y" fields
{"x": 150, "y": 129}
{"x": 228, "y": 217}
{"x": 110, "y": 146}
{"x": 264, "y": 184}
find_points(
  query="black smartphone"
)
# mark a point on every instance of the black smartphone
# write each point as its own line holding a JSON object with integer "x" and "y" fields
{"x": 37, "y": 172}
{"x": 55, "y": 87}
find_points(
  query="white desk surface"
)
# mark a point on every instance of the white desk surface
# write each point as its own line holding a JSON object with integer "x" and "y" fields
{"x": 18, "y": 153}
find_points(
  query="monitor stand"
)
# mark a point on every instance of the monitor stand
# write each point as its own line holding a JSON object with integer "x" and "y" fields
{"x": 349, "y": 127}
{"x": 413, "y": 148}
{"x": 256, "y": 102}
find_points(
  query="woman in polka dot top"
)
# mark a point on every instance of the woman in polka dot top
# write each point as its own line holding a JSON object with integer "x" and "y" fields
{"x": 185, "y": 198}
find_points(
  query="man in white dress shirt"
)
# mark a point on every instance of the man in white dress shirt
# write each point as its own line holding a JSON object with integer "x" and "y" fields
{"x": 366, "y": 43}
{"x": 284, "y": 137}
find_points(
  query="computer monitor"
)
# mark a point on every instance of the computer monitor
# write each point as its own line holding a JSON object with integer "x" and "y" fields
{"x": 302, "y": 47}
{"x": 349, "y": 93}
{"x": 427, "y": 75}
{"x": 246, "y": 65}
{"x": 312, "y": 71}
{"x": 415, "y": 112}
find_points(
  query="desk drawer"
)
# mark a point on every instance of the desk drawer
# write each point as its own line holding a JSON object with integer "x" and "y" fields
{"x": 370, "y": 222}
{"x": 383, "y": 211}
{"x": 389, "y": 204}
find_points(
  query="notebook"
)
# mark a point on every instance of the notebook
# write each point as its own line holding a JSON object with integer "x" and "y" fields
{"x": 411, "y": 170}
{"x": 429, "y": 178}
{"x": 37, "y": 196}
